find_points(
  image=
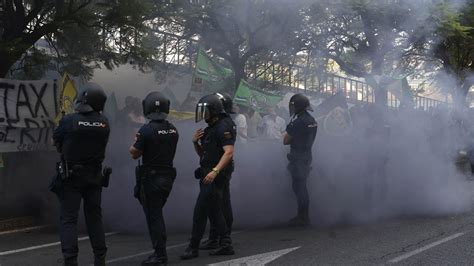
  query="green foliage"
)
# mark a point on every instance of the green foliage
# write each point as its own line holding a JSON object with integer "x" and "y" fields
{"x": 240, "y": 30}
{"x": 365, "y": 37}
{"x": 33, "y": 65}
{"x": 82, "y": 33}
{"x": 452, "y": 47}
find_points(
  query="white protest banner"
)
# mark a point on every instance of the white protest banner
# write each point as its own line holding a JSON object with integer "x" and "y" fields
{"x": 29, "y": 103}
{"x": 25, "y": 139}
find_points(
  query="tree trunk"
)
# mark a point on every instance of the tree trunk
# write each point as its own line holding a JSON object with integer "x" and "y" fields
{"x": 239, "y": 74}
{"x": 460, "y": 94}
{"x": 4, "y": 69}
{"x": 380, "y": 94}
{"x": 7, "y": 60}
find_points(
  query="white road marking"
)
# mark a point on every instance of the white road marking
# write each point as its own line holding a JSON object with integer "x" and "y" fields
{"x": 418, "y": 251}
{"x": 144, "y": 253}
{"x": 27, "y": 229}
{"x": 151, "y": 251}
{"x": 256, "y": 260}
{"x": 45, "y": 245}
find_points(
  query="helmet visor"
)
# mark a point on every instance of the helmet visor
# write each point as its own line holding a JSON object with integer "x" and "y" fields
{"x": 292, "y": 108}
{"x": 202, "y": 112}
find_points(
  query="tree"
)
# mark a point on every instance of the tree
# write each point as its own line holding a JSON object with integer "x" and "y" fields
{"x": 452, "y": 48}
{"x": 366, "y": 38}
{"x": 239, "y": 30}
{"x": 81, "y": 32}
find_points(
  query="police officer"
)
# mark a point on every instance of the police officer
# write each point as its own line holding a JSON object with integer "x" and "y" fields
{"x": 81, "y": 138}
{"x": 215, "y": 147}
{"x": 213, "y": 241}
{"x": 156, "y": 142}
{"x": 300, "y": 135}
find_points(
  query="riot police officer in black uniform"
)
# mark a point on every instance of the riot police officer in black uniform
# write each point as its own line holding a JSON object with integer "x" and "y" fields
{"x": 215, "y": 147}
{"x": 156, "y": 142}
{"x": 300, "y": 135}
{"x": 81, "y": 138}
{"x": 213, "y": 241}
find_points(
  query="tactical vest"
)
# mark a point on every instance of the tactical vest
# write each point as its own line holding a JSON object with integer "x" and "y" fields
{"x": 212, "y": 149}
{"x": 163, "y": 146}
{"x": 87, "y": 140}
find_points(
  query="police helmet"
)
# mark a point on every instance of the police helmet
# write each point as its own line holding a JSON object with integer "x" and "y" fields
{"x": 208, "y": 107}
{"x": 91, "y": 98}
{"x": 227, "y": 102}
{"x": 156, "y": 106}
{"x": 299, "y": 103}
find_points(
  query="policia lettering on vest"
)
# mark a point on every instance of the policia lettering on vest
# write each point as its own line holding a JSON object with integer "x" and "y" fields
{"x": 215, "y": 146}
{"x": 81, "y": 138}
{"x": 156, "y": 143}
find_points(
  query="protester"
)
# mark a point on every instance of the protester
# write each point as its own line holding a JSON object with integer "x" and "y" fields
{"x": 131, "y": 115}
{"x": 240, "y": 121}
{"x": 253, "y": 119}
{"x": 272, "y": 126}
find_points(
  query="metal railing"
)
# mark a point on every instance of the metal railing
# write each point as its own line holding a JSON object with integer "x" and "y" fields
{"x": 427, "y": 104}
{"x": 179, "y": 51}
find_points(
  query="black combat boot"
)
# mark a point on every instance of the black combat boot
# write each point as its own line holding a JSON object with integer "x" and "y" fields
{"x": 70, "y": 261}
{"x": 99, "y": 260}
{"x": 190, "y": 253}
{"x": 155, "y": 260}
{"x": 223, "y": 251}
{"x": 209, "y": 244}
{"x": 299, "y": 221}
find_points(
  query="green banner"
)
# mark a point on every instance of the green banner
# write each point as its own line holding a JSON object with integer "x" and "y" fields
{"x": 211, "y": 76}
{"x": 250, "y": 96}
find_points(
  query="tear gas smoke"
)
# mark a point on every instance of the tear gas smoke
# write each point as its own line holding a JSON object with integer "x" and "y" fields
{"x": 391, "y": 164}
{"x": 407, "y": 168}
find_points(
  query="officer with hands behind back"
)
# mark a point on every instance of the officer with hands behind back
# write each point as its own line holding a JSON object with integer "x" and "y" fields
{"x": 156, "y": 143}
{"x": 300, "y": 135}
{"x": 81, "y": 138}
{"x": 215, "y": 147}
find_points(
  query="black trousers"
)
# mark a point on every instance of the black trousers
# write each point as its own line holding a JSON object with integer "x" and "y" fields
{"x": 299, "y": 173}
{"x": 226, "y": 211}
{"x": 157, "y": 191}
{"x": 74, "y": 193}
{"x": 210, "y": 203}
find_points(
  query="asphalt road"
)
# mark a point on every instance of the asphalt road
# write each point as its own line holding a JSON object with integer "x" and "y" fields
{"x": 409, "y": 241}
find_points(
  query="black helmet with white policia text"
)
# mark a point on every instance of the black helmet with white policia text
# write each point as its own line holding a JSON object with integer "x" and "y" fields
{"x": 156, "y": 106}
{"x": 227, "y": 102}
{"x": 299, "y": 103}
{"x": 208, "y": 107}
{"x": 91, "y": 98}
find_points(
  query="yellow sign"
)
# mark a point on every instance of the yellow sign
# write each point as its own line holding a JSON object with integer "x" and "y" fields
{"x": 67, "y": 98}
